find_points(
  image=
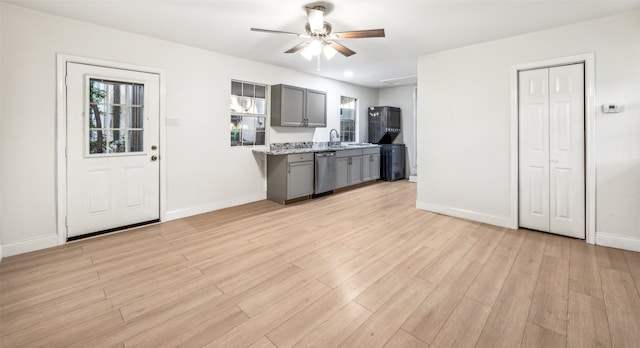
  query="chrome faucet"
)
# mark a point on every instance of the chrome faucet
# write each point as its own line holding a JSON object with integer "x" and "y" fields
{"x": 334, "y": 141}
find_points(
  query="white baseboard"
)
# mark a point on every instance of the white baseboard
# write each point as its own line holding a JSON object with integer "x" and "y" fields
{"x": 413, "y": 178}
{"x": 466, "y": 214}
{"x": 617, "y": 241}
{"x": 29, "y": 245}
{"x": 205, "y": 208}
{"x": 0, "y": 252}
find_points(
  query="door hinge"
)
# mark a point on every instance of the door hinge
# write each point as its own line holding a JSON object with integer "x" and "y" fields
{"x": 66, "y": 151}
{"x": 66, "y": 80}
{"x": 66, "y": 221}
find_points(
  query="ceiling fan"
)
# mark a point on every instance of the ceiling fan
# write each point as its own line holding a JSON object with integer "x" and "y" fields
{"x": 321, "y": 39}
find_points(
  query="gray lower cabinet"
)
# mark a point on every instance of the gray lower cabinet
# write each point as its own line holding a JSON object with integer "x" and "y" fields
{"x": 370, "y": 164}
{"x": 289, "y": 176}
{"x": 342, "y": 172}
{"x": 349, "y": 167}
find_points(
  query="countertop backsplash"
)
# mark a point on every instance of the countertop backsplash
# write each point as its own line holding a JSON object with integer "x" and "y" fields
{"x": 308, "y": 146}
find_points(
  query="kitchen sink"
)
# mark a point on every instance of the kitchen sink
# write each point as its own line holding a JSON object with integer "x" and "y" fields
{"x": 346, "y": 146}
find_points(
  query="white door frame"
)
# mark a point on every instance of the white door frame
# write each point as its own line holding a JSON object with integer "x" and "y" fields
{"x": 61, "y": 132}
{"x": 589, "y": 135}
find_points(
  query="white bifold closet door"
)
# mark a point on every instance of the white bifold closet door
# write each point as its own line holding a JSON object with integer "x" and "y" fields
{"x": 551, "y": 150}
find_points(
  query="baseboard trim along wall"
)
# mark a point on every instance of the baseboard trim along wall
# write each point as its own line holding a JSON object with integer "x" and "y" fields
{"x": 29, "y": 245}
{"x": 52, "y": 240}
{"x": 466, "y": 214}
{"x": 617, "y": 241}
{"x": 205, "y": 208}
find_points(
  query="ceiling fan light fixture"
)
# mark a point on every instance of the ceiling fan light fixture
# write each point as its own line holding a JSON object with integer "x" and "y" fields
{"x": 313, "y": 49}
{"x": 306, "y": 54}
{"x": 328, "y": 51}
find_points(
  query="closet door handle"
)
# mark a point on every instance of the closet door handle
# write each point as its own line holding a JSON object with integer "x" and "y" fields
{"x": 554, "y": 161}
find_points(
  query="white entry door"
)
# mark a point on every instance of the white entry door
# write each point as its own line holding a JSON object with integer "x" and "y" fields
{"x": 551, "y": 155}
{"x": 113, "y": 171}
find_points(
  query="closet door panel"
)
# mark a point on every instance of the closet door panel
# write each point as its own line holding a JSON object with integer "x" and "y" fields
{"x": 534, "y": 149}
{"x": 566, "y": 150}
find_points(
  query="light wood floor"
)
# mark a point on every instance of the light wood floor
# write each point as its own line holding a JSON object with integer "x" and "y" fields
{"x": 361, "y": 268}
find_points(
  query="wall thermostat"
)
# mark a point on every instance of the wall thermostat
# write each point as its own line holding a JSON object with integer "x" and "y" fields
{"x": 612, "y": 108}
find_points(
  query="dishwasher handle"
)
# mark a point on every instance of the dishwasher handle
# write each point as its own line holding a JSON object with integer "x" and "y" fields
{"x": 326, "y": 154}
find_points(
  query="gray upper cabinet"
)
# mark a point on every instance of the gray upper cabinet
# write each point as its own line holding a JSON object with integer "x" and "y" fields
{"x": 316, "y": 108}
{"x": 298, "y": 107}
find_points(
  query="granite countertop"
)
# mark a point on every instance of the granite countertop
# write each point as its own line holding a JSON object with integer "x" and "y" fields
{"x": 314, "y": 148}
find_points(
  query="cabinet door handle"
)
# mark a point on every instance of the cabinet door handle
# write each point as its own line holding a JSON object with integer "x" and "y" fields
{"x": 350, "y": 160}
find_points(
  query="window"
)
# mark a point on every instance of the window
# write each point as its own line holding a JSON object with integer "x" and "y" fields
{"x": 348, "y": 119}
{"x": 115, "y": 117}
{"x": 248, "y": 113}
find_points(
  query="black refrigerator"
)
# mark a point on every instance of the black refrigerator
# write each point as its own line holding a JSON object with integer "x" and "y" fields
{"x": 384, "y": 124}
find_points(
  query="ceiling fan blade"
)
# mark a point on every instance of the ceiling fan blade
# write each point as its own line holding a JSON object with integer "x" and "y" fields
{"x": 298, "y": 47}
{"x": 275, "y": 31}
{"x": 316, "y": 19}
{"x": 340, "y": 48}
{"x": 359, "y": 34}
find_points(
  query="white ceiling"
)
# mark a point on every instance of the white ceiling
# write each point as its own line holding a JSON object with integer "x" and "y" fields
{"x": 413, "y": 28}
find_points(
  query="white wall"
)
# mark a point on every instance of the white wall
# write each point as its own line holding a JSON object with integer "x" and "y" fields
{"x": 1, "y": 121}
{"x": 464, "y": 123}
{"x": 203, "y": 171}
{"x": 402, "y": 97}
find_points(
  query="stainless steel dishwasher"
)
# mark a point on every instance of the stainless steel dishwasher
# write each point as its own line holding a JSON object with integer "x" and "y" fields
{"x": 325, "y": 172}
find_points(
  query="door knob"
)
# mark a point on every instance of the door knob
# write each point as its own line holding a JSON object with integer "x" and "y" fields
{"x": 154, "y": 158}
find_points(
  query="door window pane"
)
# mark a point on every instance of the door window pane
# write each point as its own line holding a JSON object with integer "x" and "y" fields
{"x": 116, "y": 117}
{"x": 137, "y": 98}
{"x": 135, "y": 141}
{"x": 97, "y": 141}
{"x": 96, "y": 116}
{"x": 116, "y": 141}
{"x": 135, "y": 118}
